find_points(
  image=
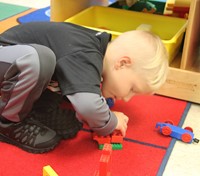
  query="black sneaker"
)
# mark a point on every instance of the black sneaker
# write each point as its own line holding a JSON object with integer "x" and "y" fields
{"x": 29, "y": 135}
{"x": 47, "y": 110}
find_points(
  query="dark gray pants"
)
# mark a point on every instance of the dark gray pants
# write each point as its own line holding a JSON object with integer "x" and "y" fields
{"x": 25, "y": 71}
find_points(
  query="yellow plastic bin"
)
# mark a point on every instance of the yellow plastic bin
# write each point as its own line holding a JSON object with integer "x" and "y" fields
{"x": 116, "y": 21}
{"x": 63, "y": 9}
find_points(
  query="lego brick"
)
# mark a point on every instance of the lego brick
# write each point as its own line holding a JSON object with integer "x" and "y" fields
{"x": 114, "y": 146}
{"x": 101, "y": 139}
{"x": 107, "y": 149}
{"x": 116, "y": 137}
{"x": 117, "y": 146}
{"x": 105, "y": 161}
{"x": 97, "y": 174}
{"x": 48, "y": 171}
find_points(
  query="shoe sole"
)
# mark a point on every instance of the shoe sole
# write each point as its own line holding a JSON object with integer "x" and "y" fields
{"x": 28, "y": 148}
{"x": 67, "y": 136}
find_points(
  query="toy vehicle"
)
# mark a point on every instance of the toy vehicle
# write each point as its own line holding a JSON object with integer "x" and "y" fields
{"x": 185, "y": 135}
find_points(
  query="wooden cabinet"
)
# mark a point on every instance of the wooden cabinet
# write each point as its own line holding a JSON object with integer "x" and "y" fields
{"x": 183, "y": 81}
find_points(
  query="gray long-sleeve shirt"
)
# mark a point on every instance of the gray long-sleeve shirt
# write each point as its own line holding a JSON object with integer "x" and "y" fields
{"x": 93, "y": 109}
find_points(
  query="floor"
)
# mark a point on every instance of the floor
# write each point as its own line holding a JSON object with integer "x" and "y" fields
{"x": 185, "y": 158}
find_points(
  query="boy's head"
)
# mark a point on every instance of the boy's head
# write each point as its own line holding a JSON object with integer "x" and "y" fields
{"x": 136, "y": 62}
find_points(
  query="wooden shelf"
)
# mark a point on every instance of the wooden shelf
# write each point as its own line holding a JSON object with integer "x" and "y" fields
{"x": 183, "y": 81}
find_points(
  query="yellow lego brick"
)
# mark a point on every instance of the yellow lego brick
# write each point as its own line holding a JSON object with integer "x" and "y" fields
{"x": 48, "y": 171}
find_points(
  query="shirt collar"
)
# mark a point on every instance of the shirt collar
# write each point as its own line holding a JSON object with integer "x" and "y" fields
{"x": 104, "y": 38}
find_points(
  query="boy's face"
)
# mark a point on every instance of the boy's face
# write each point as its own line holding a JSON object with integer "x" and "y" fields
{"x": 122, "y": 83}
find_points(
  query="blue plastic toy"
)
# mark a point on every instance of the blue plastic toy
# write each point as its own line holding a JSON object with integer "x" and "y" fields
{"x": 110, "y": 102}
{"x": 185, "y": 135}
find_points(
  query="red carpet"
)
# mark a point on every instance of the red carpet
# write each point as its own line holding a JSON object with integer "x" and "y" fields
{"x": 143, "y": 149}
{"x": 142, "y": 154}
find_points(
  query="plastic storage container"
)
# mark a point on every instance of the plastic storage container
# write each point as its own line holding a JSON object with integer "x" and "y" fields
{"x": 63, "y": 9}
{"x": 116, "y": 21}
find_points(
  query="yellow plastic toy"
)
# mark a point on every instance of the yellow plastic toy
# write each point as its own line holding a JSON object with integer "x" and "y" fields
{"x": 48, "y": 171}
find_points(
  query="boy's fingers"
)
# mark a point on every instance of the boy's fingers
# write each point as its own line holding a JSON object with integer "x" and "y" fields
{"x": 126, "y": 119}
{"x": 124, "y": 128}
{"x": 123, "y": 133}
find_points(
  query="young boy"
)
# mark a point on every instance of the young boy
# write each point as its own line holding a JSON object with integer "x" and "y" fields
{"x": 134, "y": 63}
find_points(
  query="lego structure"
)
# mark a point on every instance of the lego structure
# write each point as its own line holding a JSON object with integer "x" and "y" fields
{"x": 115, "y": 139}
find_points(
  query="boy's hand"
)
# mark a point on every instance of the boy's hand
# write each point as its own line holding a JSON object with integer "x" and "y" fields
{"x": 122, "y": 122}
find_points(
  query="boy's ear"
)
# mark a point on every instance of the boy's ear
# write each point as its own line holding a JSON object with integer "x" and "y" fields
{"x": 123, "y": 62}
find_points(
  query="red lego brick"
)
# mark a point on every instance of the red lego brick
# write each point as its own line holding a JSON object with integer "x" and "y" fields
{"x": 105, "y": 161}
{"x": 101, "y": 139}
{"x": 104, "y": 165}
{"x": 107, "y": 149}
{"x": 116, "y": 137}
{"x": 97, "y": 174}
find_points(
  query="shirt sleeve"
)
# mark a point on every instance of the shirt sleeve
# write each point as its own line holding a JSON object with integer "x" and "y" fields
{"x": 93, "y": 109}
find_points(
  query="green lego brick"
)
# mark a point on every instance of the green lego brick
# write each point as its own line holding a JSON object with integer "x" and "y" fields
{"x": 101, "y": 146}
{"x": 115, "y": 146}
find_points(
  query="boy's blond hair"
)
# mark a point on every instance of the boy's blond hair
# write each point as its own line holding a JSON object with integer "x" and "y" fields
{"x": 148, "y": 54}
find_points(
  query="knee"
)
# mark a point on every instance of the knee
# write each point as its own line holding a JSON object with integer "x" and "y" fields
{"x": 47, "y": 61}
